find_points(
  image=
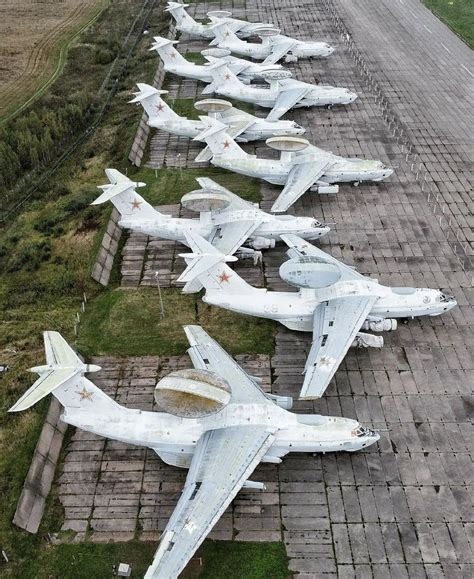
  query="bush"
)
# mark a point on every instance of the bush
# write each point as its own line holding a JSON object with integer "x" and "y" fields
{"x": 29, "y": 256}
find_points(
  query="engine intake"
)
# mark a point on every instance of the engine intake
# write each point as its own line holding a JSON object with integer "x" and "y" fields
{"x": 261, "y": 243}
{"x": 385, "y": 325}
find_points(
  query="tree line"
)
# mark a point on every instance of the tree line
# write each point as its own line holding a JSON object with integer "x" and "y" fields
{"x": 32, "y": 140}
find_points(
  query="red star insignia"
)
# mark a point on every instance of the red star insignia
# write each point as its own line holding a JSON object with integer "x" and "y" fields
{"x": 227, "y": 34}
{"x": 226, "y": 145}
{"x": 227, "y": 77}
{"x": 224, "y": 277}
{"x": 159, "y": 108}
{"x": 173, "y": 55}
{"x": 135, "y": 204}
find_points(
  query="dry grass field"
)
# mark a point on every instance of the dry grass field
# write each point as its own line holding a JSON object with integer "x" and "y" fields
{"x": 35, "y": 36}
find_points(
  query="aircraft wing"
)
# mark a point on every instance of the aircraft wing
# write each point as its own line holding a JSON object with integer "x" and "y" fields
{"x": 206, "y": 354}
{"x": 335, "y": 326}
{"x": 301, "y": 248}
{"x": 237, "y": 202}
{"x": 228, "y": 237}
{"x": 222, "y": 462}
{"x": 302, "y": 175}
{"x": 280, "y": 46}
{"x": 286, "y": 99}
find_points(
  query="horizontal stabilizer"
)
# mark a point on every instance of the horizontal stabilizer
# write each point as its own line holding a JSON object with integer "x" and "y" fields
{"x": 204, "y": 257}
{"x": 213, "y": 127}
{"x": 119, "y": 183}
{"x": 145, "y": 91}
{"x": 63, "y": 364}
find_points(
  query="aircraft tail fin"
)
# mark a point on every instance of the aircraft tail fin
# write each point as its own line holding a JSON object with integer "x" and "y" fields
{"x": 63, "y": 368}
{"x": 207, "y": 267}
{"x": 121, "y": 192}
{"x": 150, "y": 99}
{"x": 63, "y": 376}
{"x": 215, "y": 135}
{"x": 224, "y": 33}
{"x": 223, "y": 77}
{"x": 168, "y": 53}
{"x": 178, "y": 12}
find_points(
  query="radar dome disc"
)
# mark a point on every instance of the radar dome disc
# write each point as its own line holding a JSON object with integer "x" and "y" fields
{"x": 287, "y": 143}
{"x": 192, "y": 393}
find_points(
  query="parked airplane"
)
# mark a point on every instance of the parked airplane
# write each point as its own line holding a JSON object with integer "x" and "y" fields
{"x": 217, "y": 422}
{"x": 283, "y": 94}
{"x": 174, "y": 62}
{"x": 334, "y": 302}
{"x": 301, "y": 166}
{"x": 225, "y": 220}
{"x": 185, "y": 23}
{"x": 274, "y": 46}
{"x": 241, "y": 125}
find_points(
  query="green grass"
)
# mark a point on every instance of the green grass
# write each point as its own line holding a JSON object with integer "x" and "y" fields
{"x": 129, "y": 323}
{"x": 457, "y": 14}
{"x": 234, "y": 560}
{"x": 167, "y": 186}
{"x": 221, "y": 560}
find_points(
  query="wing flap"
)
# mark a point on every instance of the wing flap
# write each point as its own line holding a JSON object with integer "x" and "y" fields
{"x": 300, "y": 179}
{"x": 335, "y": 326}
{"x": 222, "y": 462}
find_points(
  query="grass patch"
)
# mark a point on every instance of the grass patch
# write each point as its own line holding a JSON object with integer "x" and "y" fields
{"x": 195, "y": 57}
{"x": 129, "y": 323}
{"x": 167, "y": 186}
{"x": 221, "y": 560}
{"x": 457, "y": 14}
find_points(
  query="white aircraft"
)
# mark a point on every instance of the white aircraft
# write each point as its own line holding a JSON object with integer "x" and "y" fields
{"x": 274, "y": 46}
{"x": 185, "y": 23}
{"x": 283, "y": 94}
{"x": 174, "y": 62}
{"x": 301, "y": 166}
{"x": 241, "y": 125}
{"x": 217, "y": 422}
{"x": 225, "y": 220}
{"x": 334, "y": 302}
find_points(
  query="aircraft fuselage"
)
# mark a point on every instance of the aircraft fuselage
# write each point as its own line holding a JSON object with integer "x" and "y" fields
{"x": 174, "y": 439}
{"x": 296, "y": 310}
{"x": 276, "y": 171}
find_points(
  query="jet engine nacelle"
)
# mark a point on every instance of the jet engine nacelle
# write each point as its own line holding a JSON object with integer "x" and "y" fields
{"x": 383, "y": 325}
{"x": 285, "y": 402}
{"x": 309, "y": 272}
{"x": 192, "y": 393}
{"x": 261, "y": 243}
